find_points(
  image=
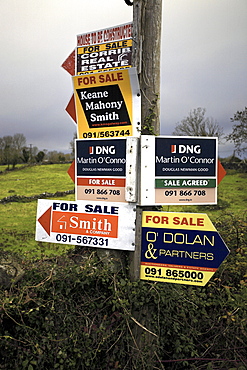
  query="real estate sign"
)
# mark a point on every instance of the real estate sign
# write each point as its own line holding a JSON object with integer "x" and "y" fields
{"x": 107, "y": 56}
{"x": 178, "y": 170}
{"x": 85, "y": 223}
{"x": 181, "y": 248}
{"x": 106, "y": 169}
{"x": 107, "y": 104}
{"x": 110, "y": 34}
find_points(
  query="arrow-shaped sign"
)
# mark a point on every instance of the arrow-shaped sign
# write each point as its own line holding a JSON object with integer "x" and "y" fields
{"x": 220, "y": 175}
{"x": 45, "y": 221}
{"x": 70, "y": 109}
{"x": 69, "y": 63}
{"x": 221, "y": 172}
{"x": 71, "y": 171}
{"x": 84, "y": 223}
{"x": 181, "y": 248}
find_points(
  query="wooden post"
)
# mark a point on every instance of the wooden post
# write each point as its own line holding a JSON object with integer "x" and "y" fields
{"x": 147, "y": 16}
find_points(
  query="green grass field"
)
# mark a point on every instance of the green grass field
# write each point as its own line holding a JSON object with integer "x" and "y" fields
{"x": 35, "y": 180}
{"x": 232, "y": 198}
{"x": 17, "y": 222}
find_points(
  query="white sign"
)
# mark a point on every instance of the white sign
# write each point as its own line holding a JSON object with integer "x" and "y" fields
{"x": 120, "y": 32}
{"x": 106, "y": 169}
{"x": 84, "y": 223}
{"x": 178, "y": 170}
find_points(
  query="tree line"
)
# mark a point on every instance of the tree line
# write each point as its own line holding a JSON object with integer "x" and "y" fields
{"x": 197, "y": 124}
{"x": 14, "y": 150}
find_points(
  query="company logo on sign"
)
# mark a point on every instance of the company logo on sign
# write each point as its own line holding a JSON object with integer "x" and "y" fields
{"x": 173, "y": 148}
{"x": 181, "y": 149}
{"x": 97, "y": 149}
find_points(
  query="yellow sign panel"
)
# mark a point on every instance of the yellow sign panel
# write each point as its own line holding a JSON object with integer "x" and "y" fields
{"x": 180, "y": 248}
{"x": 107, "y": 104}
{"x": 173, "y": 220}
{"x": 176, "y": 275}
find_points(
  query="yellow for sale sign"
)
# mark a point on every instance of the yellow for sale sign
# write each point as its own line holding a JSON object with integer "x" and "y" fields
{"x": 107, "y": 104}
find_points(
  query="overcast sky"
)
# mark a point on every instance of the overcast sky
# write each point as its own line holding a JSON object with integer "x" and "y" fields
{"x": 204, "y": 62}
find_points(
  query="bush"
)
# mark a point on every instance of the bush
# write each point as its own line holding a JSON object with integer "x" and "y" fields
{"x": 72, "y": 312}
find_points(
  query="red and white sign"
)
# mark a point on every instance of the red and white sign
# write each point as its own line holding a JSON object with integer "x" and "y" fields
{"x": 84, "y": 223}
{"x": 120, "y": 32}
{"x": 69, "y": 63}
{"x": 106, "y": 169}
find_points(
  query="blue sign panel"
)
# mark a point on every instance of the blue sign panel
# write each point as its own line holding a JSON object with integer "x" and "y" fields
{"x": 183, "y": 247}
{"x": 101, "y": 157}
{"x": 185, "y": 157}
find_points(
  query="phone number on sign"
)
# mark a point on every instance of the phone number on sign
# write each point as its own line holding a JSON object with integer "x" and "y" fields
{"x": 100, "y": 134}
{"x": 169, "y": 273}
{"x": 86, "y": 240}
{"x": 102, "y": 191}
{"x": 185, "y": 193}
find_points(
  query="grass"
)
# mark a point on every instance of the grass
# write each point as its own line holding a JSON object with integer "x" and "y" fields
{"x": 17, "y": 222}
{"x": 35, "y": 180}
{"x": 232, "y": 198}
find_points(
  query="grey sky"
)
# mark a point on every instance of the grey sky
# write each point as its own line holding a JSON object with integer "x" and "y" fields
{"x": 204, "y": 62}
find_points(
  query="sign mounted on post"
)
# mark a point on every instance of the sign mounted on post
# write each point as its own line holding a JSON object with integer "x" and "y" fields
{"x": 101, "y": 57}
{"x": 178, "y": 170}
{"x": 105, "y": 49}
{"x": 181, "y": 248}
{"x": 108, "y": 104}
{"x": 106, "y": 169}
{"x": 111, "y": 34}
{"x": 84, "y": 223}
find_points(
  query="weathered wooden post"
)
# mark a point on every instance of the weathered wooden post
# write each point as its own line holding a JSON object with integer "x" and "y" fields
{"x": 146, "y": 58}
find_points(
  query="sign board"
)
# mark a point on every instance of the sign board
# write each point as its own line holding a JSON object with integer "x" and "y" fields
{"x": 178, "y": 170}
{"x": 69, "y": 63}
{"x": 181, "y": 248}
{"x": 108, "y": 104}
{"x": 111, "y": 34}
{"x": 108, "y": 56}
{"x": 106, "y": 169}
{"x": 84, "y": 223}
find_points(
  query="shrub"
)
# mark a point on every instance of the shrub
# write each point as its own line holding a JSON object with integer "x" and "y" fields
{"x": 72, "y": 312}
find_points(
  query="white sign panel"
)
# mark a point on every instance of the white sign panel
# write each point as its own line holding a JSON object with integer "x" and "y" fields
{"x": 120, "y": 32}
{"x": 85, "y": 223}
{"x": 106, "y": 169}
{"x": 178, "y": 170}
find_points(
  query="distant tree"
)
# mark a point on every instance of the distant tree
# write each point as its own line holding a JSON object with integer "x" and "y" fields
{"x": 11, "y": 149}
{"x": 1, "y": 150}
{"x": 40, "y": 156}
{"x": 196, "y": 124}
{"x": 7, "y": 143}
{"x": 55, "y": 156}
{"x": 25, "y": 155}
{"x": 35, "y": 150}
{"x": 61, "y": 157}
{"x": 72, "y": 145}
{"x": 239, "y": 131}
{"x": 19, "y": 141}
